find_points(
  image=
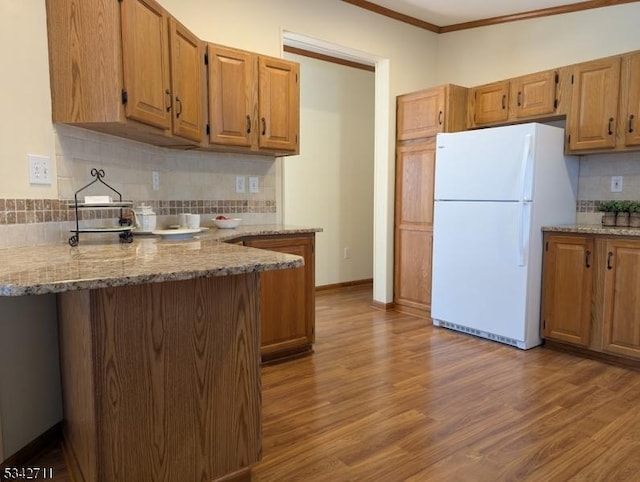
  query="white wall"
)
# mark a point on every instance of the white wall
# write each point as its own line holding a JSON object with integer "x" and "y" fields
{"x": 481, "y": 55}
{"x": 25, "y": 124}
{"x": 30, "y": 395}
{"x": 331, "y": 183}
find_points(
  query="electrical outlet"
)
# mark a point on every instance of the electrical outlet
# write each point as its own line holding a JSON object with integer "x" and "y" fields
{"x": 155, "y": 180}
{"x": 254, "y": 184}
{"x": 239, "y": 183}
{"x": 39, "y": 169}
{"x": 616, "y": 183}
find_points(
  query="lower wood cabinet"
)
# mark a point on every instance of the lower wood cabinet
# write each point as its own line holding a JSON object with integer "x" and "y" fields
{"x": 621, "y": 304}
{"x": 590, "y": 293}
{"x": 568, "y": 276}
{"x": 287, "y": 298}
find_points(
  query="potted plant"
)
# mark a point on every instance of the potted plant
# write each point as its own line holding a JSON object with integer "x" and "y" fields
{"x": 634, "y": 214}
{"x": 622, "y": 214}
{"x": 609, "y": 208}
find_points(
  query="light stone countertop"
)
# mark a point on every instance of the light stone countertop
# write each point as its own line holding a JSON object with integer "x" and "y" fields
{"x": 105, "y": 262}
{"x": 593, "y": 229}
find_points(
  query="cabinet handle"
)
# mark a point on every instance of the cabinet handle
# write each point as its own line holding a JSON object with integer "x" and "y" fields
{"x": 168, "y": 93}
{"x": 504, "y": 102}
{"x": 519, "y": 95}
{"x": 440, "y": 118}
{"x": 631, "y": 117}
{"x": 610, "y": 125}
{"x": 264, "y": 126}
{"x": 587, "y": 259}
{"x": 609, "y": 256}
{"x": 179, "y": 102}
{"x": 248, "y": 124}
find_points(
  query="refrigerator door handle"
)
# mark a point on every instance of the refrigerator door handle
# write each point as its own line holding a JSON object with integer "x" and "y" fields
{"x": 526, "y": 169}
{"x": 523, "y": 235}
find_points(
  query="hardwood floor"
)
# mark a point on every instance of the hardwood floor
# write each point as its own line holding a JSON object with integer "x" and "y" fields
{"x": 388, "y": 397}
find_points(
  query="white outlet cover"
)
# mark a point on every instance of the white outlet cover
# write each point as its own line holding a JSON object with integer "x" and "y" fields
{"x": 616, "y": 183}
{"x": 39, "y": 169}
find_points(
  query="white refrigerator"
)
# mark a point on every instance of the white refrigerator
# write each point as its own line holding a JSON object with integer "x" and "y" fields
{"x": 494, "y": 190}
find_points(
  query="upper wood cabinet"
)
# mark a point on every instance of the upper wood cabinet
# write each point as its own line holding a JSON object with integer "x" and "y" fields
{"x": 594, "y": 105}
{"x": 187, "y": 63}
{"x": 232, "y": 96}
{"x": 111, "y": 70}
{"x": 534, "y": 94}
{"x": 254, "y": 101}
{"x": 630, "y": 101}
{"x": 278, "y": 104}
{"x": 425, "y": 113}
{"x": 490, "y": 103}
{"x": 146, "y": 87}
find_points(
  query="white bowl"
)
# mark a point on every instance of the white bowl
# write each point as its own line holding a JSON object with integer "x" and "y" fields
{"x": 227, "y": 223}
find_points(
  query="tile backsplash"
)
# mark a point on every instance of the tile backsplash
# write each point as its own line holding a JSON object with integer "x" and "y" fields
{"x": 204, "y": 182}
{"x": 594, "y": 184}
{"x": 189, "y": 181}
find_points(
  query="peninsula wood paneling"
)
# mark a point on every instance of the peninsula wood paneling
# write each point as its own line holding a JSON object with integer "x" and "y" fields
{"x": 174, "y": 369}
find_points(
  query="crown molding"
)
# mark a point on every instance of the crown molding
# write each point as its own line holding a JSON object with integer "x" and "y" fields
{"x": 543, "y": 12}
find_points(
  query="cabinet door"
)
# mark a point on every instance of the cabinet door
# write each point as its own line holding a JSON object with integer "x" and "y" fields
{"x": 145, "y": 51}
{"x": 491, "y": 103}
{"x": 594, "y": 105}
{"x": 287, "y": 298}
{"x": 415, "y": 168}
{"x": 232, "y": 96}
{"x": 566, "y": 298}
{"x": 420, "y": 114}
{"x": 630, "y": 99}
{"x": 279, "y": 104}
{"x": 187, "y": 60}
{"x": 534, "y": 95}
{"x": 621, "y": 319}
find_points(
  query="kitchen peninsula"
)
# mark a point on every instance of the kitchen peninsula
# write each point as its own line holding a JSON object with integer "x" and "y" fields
{"x": 160, "y": 352}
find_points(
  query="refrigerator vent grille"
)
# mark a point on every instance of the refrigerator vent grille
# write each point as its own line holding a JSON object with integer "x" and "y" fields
{"x": 483, "y": 334}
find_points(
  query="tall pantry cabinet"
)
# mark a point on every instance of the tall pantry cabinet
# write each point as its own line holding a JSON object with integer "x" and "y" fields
{"x": 419, "y": 117}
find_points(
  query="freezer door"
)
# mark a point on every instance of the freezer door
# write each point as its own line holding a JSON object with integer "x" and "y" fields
{"x": 488, "y": 164}
{"x": 480, "y": 266}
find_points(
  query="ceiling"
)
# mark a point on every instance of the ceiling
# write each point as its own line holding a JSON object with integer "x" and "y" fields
{"x": 447, "y": 15}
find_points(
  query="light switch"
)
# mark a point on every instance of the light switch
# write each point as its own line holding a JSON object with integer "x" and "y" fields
{"x": 239, "y": 183}
{"x": 254, "y": 184}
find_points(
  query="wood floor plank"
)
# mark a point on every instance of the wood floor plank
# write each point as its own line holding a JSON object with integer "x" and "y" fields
{"x": 388, "y": 397}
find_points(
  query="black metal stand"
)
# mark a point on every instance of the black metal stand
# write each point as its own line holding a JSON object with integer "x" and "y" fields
{"x": 124, "y": 228}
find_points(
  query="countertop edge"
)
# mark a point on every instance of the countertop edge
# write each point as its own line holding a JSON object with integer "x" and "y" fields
{"x": 89, "y": 284}
{"x": 595, "y": 229}
{"x": 27, "y": 270}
